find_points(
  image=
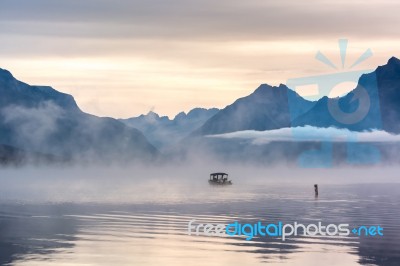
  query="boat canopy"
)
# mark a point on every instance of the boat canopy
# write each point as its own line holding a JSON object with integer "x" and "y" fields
{"x": 217, "y": 174}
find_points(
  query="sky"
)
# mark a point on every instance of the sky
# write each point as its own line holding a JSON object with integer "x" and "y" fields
{"x": 123, "y": 58}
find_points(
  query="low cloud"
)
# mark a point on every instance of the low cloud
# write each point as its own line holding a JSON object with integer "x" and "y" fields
{"x": 309, "y": 133}
{"x": 32, "y": 127}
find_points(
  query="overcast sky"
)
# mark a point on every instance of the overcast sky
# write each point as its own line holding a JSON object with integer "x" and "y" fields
{"x": 122, "y": 58}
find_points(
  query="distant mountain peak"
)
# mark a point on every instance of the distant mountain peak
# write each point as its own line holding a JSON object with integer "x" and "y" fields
{"x": 6, "y": 75}
{"x": 5, "y": 72}
{"x": 15, "y": 92}
{"x": 180, "y": 115}
{"x": 197, "y": 111}
{"x": 163, "y": 132}
{"x": 392, "y": 64}
{"x": 394, "y": 60}
{"x": 264, "y": 109}
{"x": 151, "y": 117}
{"x": 281, "y": 85}
{"x": 153, "y": 114}
{"x": 267, "y": 87}
{"x": 389, "y": 70}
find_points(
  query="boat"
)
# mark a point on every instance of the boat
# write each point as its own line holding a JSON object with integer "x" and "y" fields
{"x": 219, "y": 179}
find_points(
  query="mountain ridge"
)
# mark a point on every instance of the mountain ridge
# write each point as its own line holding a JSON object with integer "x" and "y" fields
{"x": 266, "y": 108}
{"x": 376, "y": 99}
{"x": 164, "y": 132}
{"x": 41, "y": 120}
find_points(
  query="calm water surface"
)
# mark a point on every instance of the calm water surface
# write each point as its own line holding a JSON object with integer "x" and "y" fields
{"x": 154, "y": 232}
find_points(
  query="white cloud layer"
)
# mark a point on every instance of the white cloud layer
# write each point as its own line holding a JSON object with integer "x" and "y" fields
{"x": 309, "y": 133}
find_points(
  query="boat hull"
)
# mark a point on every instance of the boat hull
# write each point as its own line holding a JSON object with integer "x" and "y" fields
{"x": 226, "y": 183}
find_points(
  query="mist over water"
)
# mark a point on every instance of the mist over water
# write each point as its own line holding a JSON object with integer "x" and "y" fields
{"x": 180, "y": 182}
{"x": 138, "y": 214}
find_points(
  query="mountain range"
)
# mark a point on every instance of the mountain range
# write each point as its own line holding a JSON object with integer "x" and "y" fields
{"x": 374, "y": 104}
{"x": 40, "y": 120}
{"x": 265, "y": 109}
{"x": 164, "y": 132}
{"x": 278, "y": 107}
{"x": 376, "y": 98}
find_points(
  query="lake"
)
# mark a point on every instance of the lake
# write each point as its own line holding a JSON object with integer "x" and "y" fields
{"x": 148, "y": 224}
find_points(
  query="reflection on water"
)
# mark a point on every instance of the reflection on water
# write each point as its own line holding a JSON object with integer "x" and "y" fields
{"x": 156, "y": 233}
